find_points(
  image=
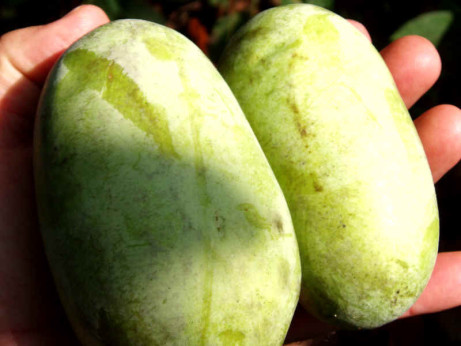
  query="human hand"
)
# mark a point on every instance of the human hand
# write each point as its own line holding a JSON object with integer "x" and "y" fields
{"x": 415, "y": 66}
{"x": 30, "y": 312}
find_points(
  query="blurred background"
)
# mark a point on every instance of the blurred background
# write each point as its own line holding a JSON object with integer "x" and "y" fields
{"x": 210, "y": 23}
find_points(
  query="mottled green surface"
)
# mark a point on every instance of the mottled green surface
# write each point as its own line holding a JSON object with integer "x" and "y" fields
{"x": 162, "y": 220}
{"x": 345, "y": 151}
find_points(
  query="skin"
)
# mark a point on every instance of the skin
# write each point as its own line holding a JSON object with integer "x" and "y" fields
{"x": 30, "y": 313}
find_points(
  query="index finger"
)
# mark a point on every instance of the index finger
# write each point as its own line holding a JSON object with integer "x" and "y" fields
{"x": 415, "y": 65}
{"x": 413, "y": 62}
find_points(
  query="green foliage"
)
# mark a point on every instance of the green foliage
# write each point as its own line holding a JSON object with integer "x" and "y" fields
{"x": 431, "y": 25}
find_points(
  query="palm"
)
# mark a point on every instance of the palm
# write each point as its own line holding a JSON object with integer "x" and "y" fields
{"x": 30, "y": 313}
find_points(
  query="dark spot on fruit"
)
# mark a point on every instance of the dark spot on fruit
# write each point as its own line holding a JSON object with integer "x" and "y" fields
{"x": 294, "y": 107}
{"x": 219, "y": 222}
{"x": 279, "y": 224}
{"x": 250, "y": 35}
{"x": 402, "y": 264}
{"x": 317, "y": 186}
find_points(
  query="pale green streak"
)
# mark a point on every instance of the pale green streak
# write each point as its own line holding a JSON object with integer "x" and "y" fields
{"x": 158, "y": 49}
{"x": 90, "y": 71}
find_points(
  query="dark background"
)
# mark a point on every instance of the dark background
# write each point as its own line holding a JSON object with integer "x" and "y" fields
{"x": 209, "y": 23}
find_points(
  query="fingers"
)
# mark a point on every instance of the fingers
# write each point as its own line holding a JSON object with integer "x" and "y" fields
{"x": 413, "y": 61}
{"x": 32, "y": 51}
{"x": 360, "y": 27}
{"x": 415, "y": 65}
{"x": 440, "y": 131}
{"x": 444, "y": 288}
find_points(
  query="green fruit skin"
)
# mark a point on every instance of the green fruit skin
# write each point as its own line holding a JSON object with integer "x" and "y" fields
{"x": 342, "y": 145}
{"x": 162, "y": 220}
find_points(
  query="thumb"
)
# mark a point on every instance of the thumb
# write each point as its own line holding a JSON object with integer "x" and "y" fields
{"x": 26, "y": 57}
{"x": 32, "y": 51}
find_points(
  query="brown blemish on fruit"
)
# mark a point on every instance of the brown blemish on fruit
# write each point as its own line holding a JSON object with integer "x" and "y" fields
{"x": 317, "y": 186}
{"x": 278, "y": 224}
